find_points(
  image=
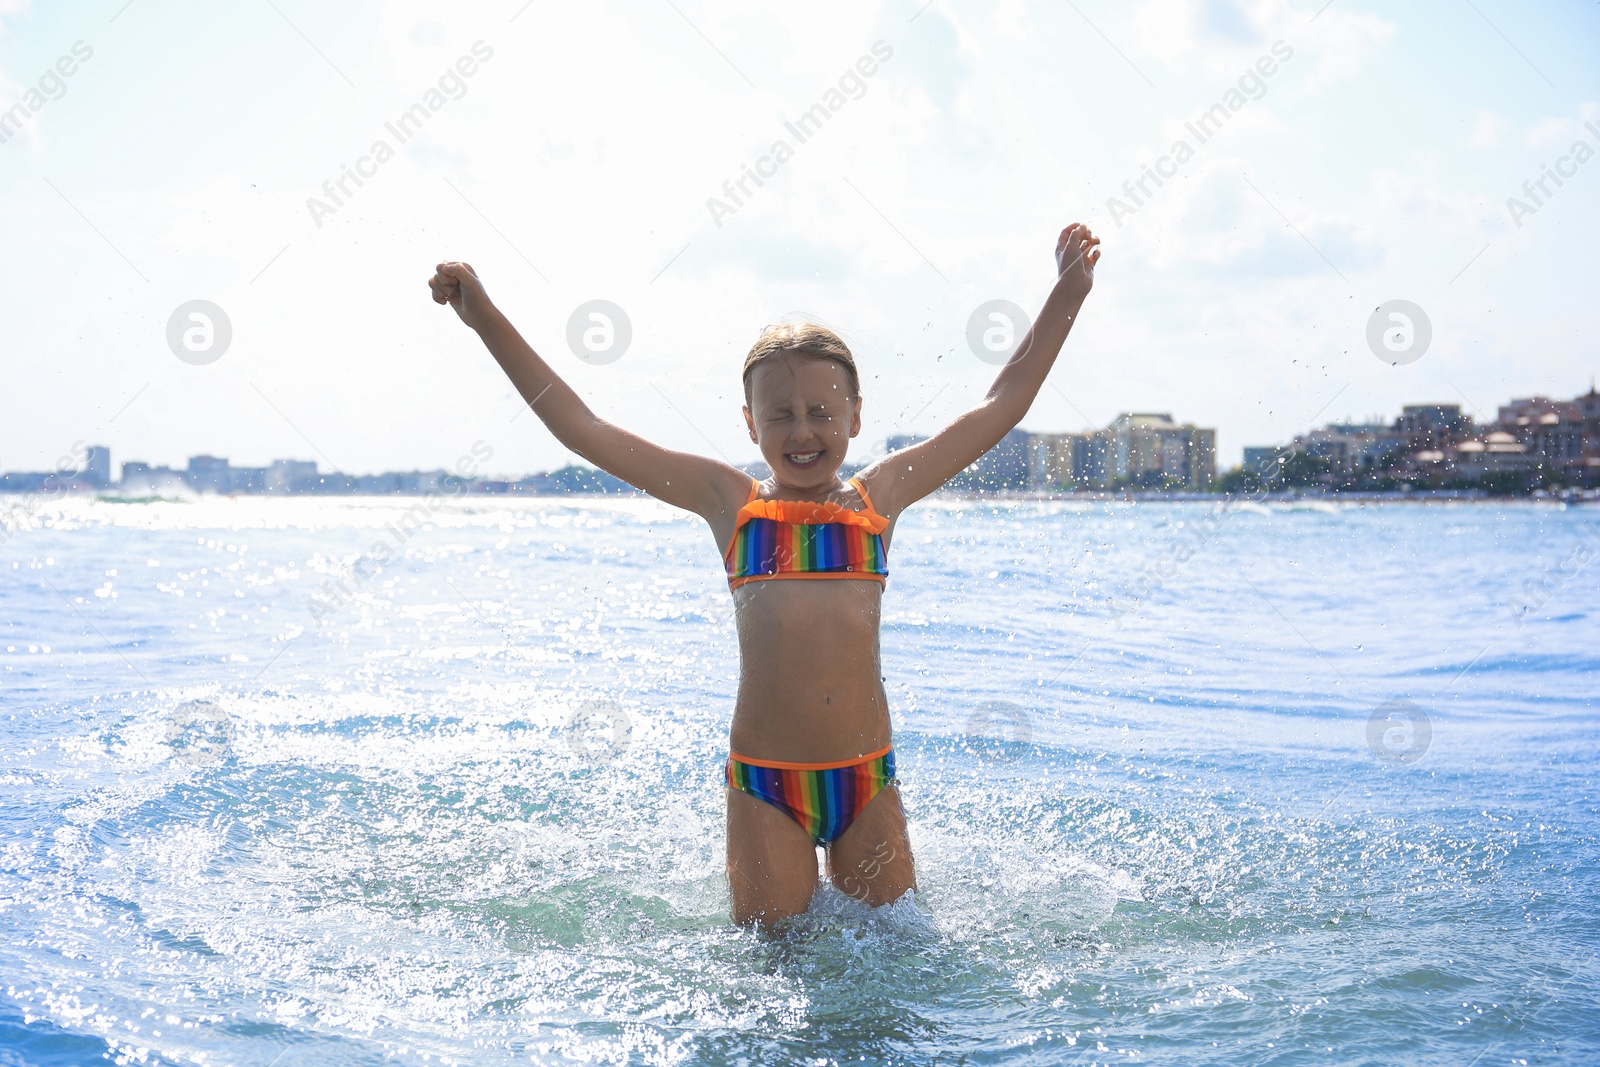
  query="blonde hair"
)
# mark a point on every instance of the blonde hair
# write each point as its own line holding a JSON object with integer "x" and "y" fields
{"x": 801, "y": 339}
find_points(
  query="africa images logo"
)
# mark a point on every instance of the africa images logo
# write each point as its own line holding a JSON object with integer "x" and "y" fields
{"x": 1252, "y": 85}
{"x": 406, "y": 126}
{"x": 852, "y": 82}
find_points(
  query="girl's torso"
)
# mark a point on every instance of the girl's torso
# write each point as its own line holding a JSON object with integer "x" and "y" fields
{"x": 807, "y": 589}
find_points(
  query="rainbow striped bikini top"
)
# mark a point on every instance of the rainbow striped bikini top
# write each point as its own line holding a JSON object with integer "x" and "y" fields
{"x": 799, "y": 539}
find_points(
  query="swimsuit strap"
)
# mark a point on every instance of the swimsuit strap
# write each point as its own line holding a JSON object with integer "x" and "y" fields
{"x": 755, "y": 490}
{"x": 865, "y": 499}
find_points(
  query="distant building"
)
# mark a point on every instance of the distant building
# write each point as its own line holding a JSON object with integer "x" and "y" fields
{"x": 1353, "y": 447}
{"x": 422, "y": 481}
{"x": 1432, "y": 426}
{"x": 247, "y": 479}
{"x": 1003, "y": 467}
{"x": 1552, "y": 430}
{"x": 142, "y": 479}
{"x": 1497, "y": 454}
{"x": 1091, "y": 460}
{"x": 1264, "y": 461}
{"x": 97, "y": 466}
{"x": 36, "y": 482}
{"x": 1533, "y": 441}
{"x": 292, "y": 476}
{"x": 1050, "y": 460}
{"x": 1588, "y": 466}
{"x": 335, "y": 483}
{"x": 208, "y": 474}
{"x": 379, "y": 483}
{"x": 1589, "y": 408}
{"x": 1139, "y": 449}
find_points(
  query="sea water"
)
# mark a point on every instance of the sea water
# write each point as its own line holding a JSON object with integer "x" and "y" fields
{"x": 439, "y": 781}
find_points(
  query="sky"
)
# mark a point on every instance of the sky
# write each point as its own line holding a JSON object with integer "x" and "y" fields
{"x": 580, "y": 158}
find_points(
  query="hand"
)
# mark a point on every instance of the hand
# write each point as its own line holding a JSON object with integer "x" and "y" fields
{"x": 457, "y": 284}
{"x": 1077, "y": 252}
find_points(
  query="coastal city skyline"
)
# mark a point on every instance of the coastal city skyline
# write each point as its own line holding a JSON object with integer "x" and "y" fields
{"x": 1529, "y": 442}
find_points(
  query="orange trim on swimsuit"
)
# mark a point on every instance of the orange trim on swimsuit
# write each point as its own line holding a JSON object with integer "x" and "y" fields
{"x": 784, "y": 765}
{"x": 804, "y": 512}
{"x": 734, "y": 583}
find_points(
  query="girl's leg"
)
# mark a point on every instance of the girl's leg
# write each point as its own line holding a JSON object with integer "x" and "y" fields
{"x": 871, "y": 861}
{"x": 772, "y": 865}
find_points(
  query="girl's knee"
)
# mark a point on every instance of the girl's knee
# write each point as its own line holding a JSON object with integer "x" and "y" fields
{"x": 880, "y": 876}
{"x": 765, "y": 908}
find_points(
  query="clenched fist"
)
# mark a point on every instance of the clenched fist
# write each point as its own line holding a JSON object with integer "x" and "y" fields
{"x": 457, "y": 284}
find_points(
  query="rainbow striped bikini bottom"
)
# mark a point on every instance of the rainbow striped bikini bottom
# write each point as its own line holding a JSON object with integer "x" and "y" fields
{"x": 824, "y": 798}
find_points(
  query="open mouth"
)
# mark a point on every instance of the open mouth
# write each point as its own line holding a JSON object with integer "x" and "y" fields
{"x": 802, "y": 459}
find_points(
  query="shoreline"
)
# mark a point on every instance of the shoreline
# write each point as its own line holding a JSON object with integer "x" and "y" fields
{"x": 1287, "y": 496}
{"x": 1290, "y": 496}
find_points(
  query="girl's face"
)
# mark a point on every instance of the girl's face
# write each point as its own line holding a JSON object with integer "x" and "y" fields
{"x": 802, "y": 416}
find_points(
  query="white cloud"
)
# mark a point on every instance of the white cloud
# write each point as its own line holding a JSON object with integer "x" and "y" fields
{"x": 1013, "y": 19}
{"x": 1220, "y": 38}
{"x": 1561, "y": 131}
{"x": 1214, "y": 221}
{"x": 8, "y": 8}
{"x": 1418, "y": 199}
{"x": 1488, "y": 130}
{"x": 1549, "y": 131}
{"x": 10, "y": 89}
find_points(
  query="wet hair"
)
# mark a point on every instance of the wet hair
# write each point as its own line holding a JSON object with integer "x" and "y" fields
{"x": 801, "y": 339}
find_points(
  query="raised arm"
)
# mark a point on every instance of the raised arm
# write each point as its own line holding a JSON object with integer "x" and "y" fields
{"x": 901, "y": 479}
{"x": 696, "y": 483}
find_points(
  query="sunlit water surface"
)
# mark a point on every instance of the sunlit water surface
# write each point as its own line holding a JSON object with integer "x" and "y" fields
{"x": 1153, "y": 820}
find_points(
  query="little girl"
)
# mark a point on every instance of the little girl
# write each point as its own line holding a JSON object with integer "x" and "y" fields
{"x": 811, "y": 761}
